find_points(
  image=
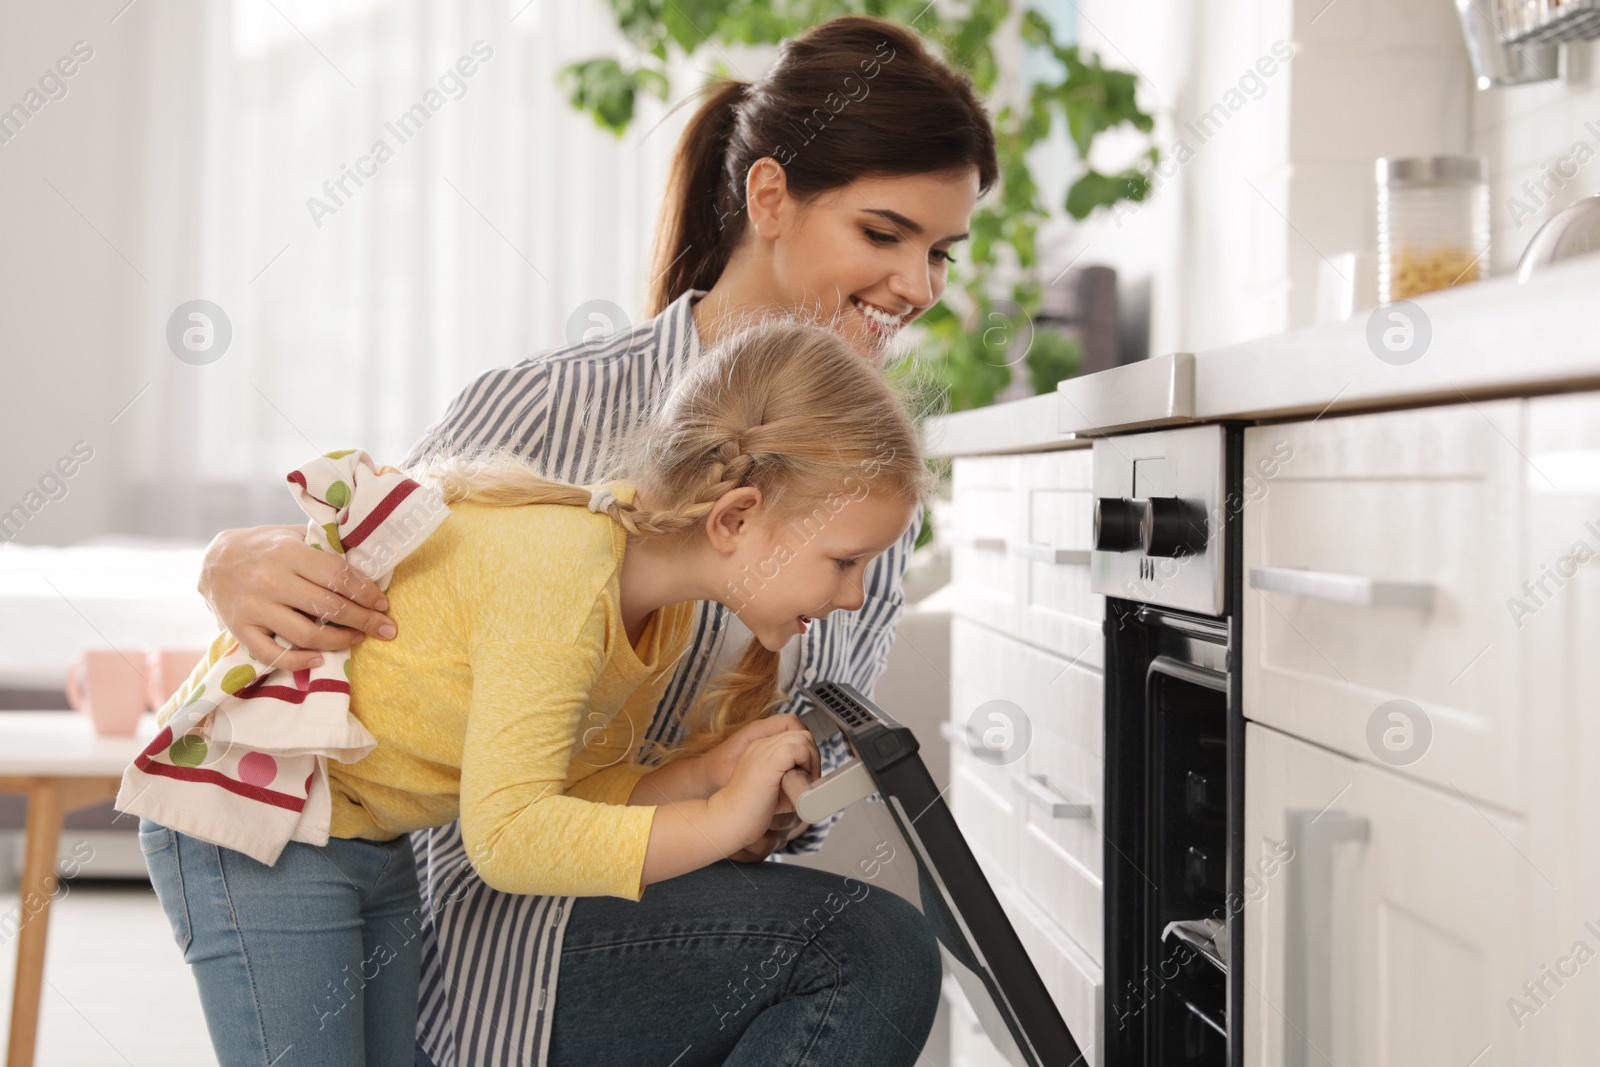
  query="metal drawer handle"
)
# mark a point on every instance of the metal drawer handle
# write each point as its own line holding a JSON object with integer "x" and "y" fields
{"x": 1037, "y": 789}
{"x": 983, "y": 544}
{"x": 1341, "y": 588}
{"x": 1050, "y": 553}
{"x": 963, "y": 737}
{"x": 1308, "y": 938}
{"x": 957, "y": 735}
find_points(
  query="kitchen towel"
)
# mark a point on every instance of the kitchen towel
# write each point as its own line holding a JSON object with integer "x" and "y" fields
{"x": 243, "y": 762}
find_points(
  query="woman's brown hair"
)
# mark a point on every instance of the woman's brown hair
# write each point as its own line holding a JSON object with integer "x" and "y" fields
{"x": 852, "y": 97}
{"x": 778, "y": 404}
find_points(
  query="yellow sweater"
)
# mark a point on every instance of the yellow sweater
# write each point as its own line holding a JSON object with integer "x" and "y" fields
{"x": 511, "y": 700}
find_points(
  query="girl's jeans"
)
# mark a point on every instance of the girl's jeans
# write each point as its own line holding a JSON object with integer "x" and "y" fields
{"x": 312, "y": 961}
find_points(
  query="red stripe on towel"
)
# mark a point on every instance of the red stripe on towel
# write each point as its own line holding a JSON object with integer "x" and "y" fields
{"x": 289, "y": 694}
{"x": 378, "y": 514}
{"x": 210, "y": 777}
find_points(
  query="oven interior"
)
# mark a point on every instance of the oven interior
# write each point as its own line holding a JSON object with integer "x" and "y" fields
{"x": 1172, "y": 825}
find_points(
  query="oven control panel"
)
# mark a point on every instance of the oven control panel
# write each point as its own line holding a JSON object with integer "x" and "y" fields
{"x": 1158, "y": 517}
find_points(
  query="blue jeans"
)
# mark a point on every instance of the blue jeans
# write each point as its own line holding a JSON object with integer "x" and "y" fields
{"x": 746, "y": 965}
{"x": 312, "y": 961}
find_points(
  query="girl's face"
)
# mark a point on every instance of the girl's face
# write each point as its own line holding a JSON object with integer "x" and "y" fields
{"x": 868, "y": 257}
{"x": 778, "y": 578}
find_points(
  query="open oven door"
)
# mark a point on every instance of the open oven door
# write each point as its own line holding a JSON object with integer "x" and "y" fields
{"x": 988, "y": 958}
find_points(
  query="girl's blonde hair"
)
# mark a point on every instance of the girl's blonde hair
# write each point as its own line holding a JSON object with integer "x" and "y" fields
{"x": 784, "y": 406}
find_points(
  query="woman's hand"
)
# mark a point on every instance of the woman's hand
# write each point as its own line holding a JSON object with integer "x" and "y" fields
{"x": 754, "y": 795}
{"x": 267, "y": 581}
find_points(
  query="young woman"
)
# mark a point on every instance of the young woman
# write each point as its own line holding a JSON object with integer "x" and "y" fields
{"x": 537, "y": 609}
{"x": 839, "y": 184}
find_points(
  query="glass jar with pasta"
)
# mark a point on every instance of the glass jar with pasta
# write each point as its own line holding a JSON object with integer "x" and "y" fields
{"x": 1433, "y": 224}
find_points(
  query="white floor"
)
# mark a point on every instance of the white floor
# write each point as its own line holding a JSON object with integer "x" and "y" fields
{"x": 117, "y": 992}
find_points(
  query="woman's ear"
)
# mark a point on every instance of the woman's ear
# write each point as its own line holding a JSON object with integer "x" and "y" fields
{"x": 766, "y": 194}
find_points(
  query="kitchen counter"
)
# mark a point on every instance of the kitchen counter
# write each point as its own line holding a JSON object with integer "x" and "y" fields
{"x": 1493, "y": 338}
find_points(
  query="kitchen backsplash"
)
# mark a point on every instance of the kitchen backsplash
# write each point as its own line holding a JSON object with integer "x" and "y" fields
{"x": 1264, "y": 188}
{"x": 1543, "y": 145}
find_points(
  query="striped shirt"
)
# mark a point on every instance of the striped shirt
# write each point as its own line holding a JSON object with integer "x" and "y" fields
{"x": 490, "y": 959}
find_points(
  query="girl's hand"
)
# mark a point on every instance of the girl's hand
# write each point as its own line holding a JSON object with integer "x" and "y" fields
{"x": 716, "y": 766}
{"x": 267, "y": 581}
{"x": 785, "y": 825}
{"x": 746, "y": 806}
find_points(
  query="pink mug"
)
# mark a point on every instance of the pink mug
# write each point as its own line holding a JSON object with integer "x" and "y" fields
{"x": 167, "y": 669}
{"x": 109, "y": 684}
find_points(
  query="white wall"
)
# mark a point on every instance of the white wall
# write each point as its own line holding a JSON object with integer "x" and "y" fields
{"x": 1281, "y": 178}
{"x": 179, "y": 165}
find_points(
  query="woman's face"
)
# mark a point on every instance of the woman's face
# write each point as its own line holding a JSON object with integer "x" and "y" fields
{"x": 870, "y": 256}
{"x": 780, "y": 576}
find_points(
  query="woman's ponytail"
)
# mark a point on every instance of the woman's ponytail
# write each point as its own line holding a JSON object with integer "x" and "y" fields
{"x": 700, "y": 217}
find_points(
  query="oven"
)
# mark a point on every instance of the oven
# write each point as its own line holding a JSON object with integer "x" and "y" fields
{"x": 1166, "y": 557}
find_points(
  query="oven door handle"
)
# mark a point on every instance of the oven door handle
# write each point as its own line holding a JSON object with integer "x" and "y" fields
{"x": 1308, "y": 1038}
{"x": 1184, "y": 672}
{"x": 1341, "y": 588}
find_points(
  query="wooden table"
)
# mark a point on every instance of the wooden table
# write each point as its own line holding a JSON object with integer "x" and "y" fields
{"x": 61, "y": 765}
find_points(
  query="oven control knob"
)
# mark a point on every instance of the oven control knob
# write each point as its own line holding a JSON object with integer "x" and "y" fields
{"x": 1116, "y": 523}
{"x": 1171, "y": 527}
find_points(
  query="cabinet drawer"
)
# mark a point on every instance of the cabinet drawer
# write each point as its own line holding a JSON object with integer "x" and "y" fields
{"x": 1075, "y": 983}
{"x": 1054, "y": 786}
{"x": 1561, "y": 677}
{"x": 1378, "y": 562}
{"x": 1060, "y": 856}
{"x": 1058, "y": 610}
{"x": 986, "y": 812}
{"x": 969, "y": 1043}
{"x": 985, "y": 523}
{"x": 1022, "y": 530}
{"x": 1386, "y": 920}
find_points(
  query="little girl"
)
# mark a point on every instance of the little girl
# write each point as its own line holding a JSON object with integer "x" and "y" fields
{"x": 539, "y": 626}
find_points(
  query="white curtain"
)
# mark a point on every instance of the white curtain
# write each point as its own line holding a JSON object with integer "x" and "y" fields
{"x": 479, "y": 225}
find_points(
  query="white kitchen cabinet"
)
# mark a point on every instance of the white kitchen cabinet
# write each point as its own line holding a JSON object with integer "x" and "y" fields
{"x": 1387, "y": 921}
{"x": 1378, "y": 559}
{"x": 986, "y": 807}
{"x": 1075, "y": 982}
{"x": 1034, "y": 822}
{"x": 986, "y": 520}
{"x": 1558, "y": 615}
{"x": 1060, "y": 861}
{"x": 1057, "y": 609}
{"x": 1022, "y": 531}
{"x": 1038, "y": 816}
{"x": 969, "y": 1044}
{"x": 987, "y": 813}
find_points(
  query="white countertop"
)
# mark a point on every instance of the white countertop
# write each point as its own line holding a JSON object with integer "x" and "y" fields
{"x": 1489, "y": 339}
{"x": 56, "y": 602}
{"x": 64, "y": 743}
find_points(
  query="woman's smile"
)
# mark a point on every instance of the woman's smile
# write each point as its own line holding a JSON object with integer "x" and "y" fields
{"x": 883, "y": 322}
